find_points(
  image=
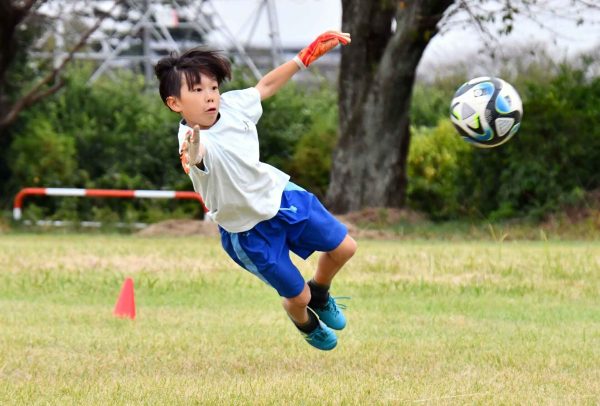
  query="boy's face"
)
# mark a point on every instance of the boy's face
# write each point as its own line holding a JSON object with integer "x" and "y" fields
{"x": 198, "y": 105}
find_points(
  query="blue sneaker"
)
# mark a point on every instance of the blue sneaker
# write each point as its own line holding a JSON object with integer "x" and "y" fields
{"x": 331, "y": 314}
{"x": 322, "y": 338}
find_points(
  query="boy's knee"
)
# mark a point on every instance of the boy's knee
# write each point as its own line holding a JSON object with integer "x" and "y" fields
{"x": 300, "y": 300}
{"x": 352, "y": 246}
{"x": 345, "y": 250}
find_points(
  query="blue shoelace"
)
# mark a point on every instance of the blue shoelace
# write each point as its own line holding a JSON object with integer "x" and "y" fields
{"x": 332, "y": 304}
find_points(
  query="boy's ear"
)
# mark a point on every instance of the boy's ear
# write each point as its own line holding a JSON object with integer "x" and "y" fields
{"x": 173, "y": 104}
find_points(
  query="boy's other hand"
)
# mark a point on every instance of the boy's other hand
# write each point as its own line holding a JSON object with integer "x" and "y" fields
{"x": 191, "y": 150}
{"x": 320, "y": 46}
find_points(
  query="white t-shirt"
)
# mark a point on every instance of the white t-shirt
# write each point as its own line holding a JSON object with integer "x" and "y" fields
{"x": 238, "y": 190}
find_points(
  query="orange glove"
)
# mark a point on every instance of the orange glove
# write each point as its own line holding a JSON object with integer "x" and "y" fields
{"x": 192, "y": 151}
{"x": 319, "y": 47}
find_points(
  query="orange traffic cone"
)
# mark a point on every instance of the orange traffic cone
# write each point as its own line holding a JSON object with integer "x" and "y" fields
{"x": 125, "y": 306}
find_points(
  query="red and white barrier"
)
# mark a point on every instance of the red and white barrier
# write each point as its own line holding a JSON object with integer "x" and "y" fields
{"x": 142, "y": 194}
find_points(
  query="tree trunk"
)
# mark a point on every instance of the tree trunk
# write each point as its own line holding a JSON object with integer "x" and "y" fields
{"x": 10, "y": 17}
{"x": 376, "y": 80}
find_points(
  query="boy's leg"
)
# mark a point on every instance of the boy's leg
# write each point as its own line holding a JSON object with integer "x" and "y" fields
{"x": 251, "y": 251}
{"x": 329, "y": 264}
{"x": 296, "y": 307}
{"x": 316, "y": 229}
{"x": 315, "y": 333}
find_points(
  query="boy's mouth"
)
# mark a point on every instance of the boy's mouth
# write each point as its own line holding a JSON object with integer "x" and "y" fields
{"x": 211, "y": 110}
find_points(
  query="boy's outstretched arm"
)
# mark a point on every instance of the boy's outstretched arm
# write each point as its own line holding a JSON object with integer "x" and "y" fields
{"x": 274, "y": 80}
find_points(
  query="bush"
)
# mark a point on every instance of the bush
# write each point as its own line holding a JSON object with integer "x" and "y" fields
{"x": 431, "y": 101}
{"x": 434, "y": 162}
{"x": 310, "y": 165}
{"x": 118, "y": 135}
{"x": 112, "y": 135}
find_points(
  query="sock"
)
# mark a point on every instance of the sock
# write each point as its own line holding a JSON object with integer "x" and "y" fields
{"x": 319, "y": 294}
{"x": 310, "y": 325}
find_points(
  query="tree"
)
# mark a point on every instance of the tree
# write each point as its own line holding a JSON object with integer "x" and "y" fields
{"x": 57, "y": 32}
{"x": 14, "y": 15}
{"x": 375, "y": 88}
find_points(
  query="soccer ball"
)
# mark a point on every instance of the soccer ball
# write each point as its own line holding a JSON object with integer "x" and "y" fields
{"x": 486, "y": 111}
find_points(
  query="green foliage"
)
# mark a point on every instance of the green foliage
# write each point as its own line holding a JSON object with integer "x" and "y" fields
{"x": 431, "y": 101}
{"x": 43, "y": 156}
{"x": 287, "y": 117}
{"x": 434, "y": 162}
{"x": 112, "y": 135}
{"x": 311, "y": 163}
{"x": 118, "y": 135}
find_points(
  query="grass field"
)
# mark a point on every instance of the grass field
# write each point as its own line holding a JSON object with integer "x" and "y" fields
{"x": 429, "y": 323}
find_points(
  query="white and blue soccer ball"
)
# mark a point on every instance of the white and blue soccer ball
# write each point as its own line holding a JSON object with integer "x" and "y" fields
{"x": 486, "y": 111}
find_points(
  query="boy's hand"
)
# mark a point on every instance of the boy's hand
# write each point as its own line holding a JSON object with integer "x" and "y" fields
{"x": 191, "y": 150}
{"x": 319, "y": 47}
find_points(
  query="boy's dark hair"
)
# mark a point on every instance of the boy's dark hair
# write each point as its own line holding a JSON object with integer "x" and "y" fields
{"x": 191, "y": 64}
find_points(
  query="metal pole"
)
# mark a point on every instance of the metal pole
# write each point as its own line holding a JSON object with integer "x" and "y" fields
{"x": 276, "y": 49}
{"x": 148, "y": 71}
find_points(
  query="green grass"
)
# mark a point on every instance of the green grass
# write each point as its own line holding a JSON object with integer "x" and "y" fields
{"x": 429, "y": 323}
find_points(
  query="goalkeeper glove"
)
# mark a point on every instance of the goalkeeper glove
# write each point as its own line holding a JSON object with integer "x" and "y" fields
{"x": 192, "y": 152}
{"x": 319, "y": 47}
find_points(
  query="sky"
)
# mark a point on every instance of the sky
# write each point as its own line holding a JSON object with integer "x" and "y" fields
{"x": 300, "y": 21}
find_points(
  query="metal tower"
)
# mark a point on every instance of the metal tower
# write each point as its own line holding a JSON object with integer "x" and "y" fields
{"x": 139, "y": 32}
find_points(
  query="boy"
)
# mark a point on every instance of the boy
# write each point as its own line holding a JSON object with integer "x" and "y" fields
{"x": 262, "y": 216}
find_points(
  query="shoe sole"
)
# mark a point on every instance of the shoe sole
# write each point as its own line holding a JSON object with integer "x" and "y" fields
{"x": 324, "y": 349}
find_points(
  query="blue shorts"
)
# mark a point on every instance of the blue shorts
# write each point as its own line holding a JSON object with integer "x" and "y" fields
{"x": 302, "y": 225}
